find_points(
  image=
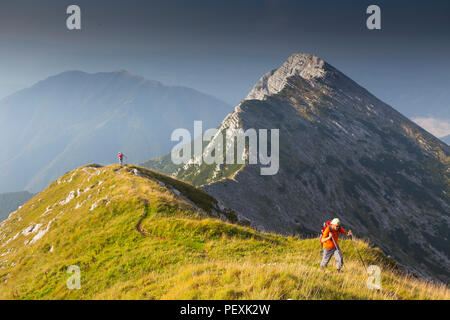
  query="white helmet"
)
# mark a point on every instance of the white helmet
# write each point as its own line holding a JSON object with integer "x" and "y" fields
{"x": 336, "y": 222}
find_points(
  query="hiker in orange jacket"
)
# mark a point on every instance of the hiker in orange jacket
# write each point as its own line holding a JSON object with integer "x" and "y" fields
{"x": 330, "y": 244}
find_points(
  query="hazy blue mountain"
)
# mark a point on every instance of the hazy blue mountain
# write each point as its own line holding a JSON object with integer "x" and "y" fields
{"x": 446, "y": 139}
{"x": 7, "y": 89}
{"x": 10, "y": 202}
{"x": 73, "y": 118}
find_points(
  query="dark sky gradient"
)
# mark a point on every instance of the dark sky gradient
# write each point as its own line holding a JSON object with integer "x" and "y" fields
{"x": 223, "y": 47}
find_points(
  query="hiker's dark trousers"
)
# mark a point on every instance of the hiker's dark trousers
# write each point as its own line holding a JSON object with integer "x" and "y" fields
{"x": 327, "y": 256}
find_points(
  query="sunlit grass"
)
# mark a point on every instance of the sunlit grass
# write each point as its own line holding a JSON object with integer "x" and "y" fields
{"x": 184, "y": 254}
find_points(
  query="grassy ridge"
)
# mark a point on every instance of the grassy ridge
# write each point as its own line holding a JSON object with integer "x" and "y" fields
{"x": 179, "y": 253}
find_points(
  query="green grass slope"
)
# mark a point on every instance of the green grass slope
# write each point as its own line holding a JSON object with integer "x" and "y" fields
{"x": 137, "y": 234}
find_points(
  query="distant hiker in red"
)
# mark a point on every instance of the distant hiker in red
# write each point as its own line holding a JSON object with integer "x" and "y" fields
{"x": 121, "y": 156}
{"x": 329, "y": 240}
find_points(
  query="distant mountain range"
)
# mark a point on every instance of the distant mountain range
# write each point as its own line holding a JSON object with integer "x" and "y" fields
{"x": 75, "y": 118}
{"x": 343, "y": 153}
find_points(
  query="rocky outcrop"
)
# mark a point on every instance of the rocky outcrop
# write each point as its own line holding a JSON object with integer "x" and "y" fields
{"x": 303, "y": 65}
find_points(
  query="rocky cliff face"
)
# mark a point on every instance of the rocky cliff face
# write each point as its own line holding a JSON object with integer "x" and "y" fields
{"x": 343, "y": 153}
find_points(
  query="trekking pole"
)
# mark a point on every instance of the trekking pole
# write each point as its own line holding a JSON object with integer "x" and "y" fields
{"x": 336, "y": 246}
{"x": 359, "y": 254}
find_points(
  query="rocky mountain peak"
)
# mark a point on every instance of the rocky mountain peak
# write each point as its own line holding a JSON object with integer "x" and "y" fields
{"x": 307, "y": 66}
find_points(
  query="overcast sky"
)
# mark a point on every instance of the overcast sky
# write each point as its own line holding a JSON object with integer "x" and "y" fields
{"x": 223, "y": 47}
